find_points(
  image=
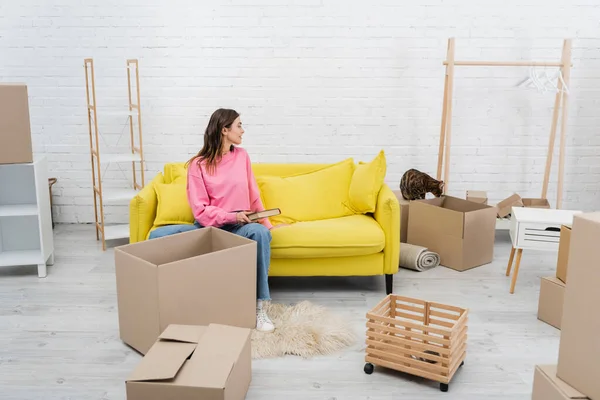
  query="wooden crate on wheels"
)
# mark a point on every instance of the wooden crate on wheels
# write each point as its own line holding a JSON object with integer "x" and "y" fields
{"x": 421, "y": 338}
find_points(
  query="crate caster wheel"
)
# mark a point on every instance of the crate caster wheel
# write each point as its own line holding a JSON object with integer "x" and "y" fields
{"x": 369, "y": 368}
{"x": 444, "y": 387}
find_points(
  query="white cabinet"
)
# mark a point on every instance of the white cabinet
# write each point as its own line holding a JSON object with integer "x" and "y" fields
{"x": 26, "y": 236}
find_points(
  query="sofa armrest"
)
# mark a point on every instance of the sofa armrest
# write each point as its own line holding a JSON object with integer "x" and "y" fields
{"x": 142, "y": 211}
{"x": 387, "y": 214}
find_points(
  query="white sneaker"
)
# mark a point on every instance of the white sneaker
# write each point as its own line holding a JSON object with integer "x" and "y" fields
{"x": 263, "y": 323}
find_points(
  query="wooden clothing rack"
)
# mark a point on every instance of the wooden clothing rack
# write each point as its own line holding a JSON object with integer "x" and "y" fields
{"x": 560, "y": 103}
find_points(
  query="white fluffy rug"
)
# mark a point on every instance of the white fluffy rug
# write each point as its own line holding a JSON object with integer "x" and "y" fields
{"x": 304, "y": 329}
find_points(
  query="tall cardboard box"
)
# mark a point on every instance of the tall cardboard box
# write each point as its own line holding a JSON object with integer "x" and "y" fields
{"x": 564, "y": 245}
{"x": 199, "y": 277}
{"x": 461, "y": 232}
{"x": 579, "y": 349}
{"x": 195, "y": 362}
{"x": 15, "y": 127}
{"x": 547, "y": 386}
{"x": 550, "y": 304}
{"x": 404, "y": 206}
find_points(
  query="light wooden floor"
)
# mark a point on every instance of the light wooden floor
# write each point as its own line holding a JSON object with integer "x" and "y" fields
{"x": 59, "y": 335}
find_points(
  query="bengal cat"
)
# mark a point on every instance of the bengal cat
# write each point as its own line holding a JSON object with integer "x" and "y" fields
{"x": 415, "y": 184}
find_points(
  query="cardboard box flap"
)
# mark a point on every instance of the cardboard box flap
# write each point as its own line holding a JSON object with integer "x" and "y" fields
{"x": 171, "y": 248}
{"x": 216, "y": 354}
{"x": 567, "y": 390}
{"x": 183, "y": 333}
{"x": 433, "y": 212}
{"x": 162, "y": 361}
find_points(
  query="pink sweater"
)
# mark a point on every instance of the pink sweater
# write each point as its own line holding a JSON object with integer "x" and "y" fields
{"x": 215, "y": 199}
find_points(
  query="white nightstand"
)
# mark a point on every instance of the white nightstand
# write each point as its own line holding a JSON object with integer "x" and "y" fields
{"x": 535, "y": 229}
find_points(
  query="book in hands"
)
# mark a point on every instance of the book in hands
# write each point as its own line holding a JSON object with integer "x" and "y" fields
{"x": 264, "y": 214}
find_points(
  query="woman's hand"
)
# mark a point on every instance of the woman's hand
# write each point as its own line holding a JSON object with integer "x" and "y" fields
{"x": 242, "y": 217}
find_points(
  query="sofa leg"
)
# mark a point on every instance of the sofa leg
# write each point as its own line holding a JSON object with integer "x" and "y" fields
{"x": 389, "y": 283}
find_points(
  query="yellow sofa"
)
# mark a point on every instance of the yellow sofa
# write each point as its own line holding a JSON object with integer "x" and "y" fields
{"x": 357, "y": 244}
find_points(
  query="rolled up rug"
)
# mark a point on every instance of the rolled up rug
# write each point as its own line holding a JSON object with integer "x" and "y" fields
{"x": 417, "y": 258}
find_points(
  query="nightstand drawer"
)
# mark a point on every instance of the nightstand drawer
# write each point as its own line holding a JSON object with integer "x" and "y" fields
{"x": 536, "y": 235}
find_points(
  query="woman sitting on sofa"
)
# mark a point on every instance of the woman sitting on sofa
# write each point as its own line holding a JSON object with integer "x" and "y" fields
{"x": 221, "y": 190}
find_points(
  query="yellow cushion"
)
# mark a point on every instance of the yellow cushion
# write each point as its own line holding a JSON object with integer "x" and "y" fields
{"x": 173, "y": 206}
{"x": 353, "y": 235}
{"x": 142, "y": 210}
{"x": 175, "y": 172}
{"x": 366, "y": 183}
{"x": 303, "y": 197}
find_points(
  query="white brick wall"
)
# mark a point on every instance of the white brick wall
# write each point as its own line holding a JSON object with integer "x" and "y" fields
{"x": 315, "y": 80}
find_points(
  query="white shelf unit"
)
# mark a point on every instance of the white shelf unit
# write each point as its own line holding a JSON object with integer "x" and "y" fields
{"x": 26, "y": 236}
{"x": 100, "y": 159}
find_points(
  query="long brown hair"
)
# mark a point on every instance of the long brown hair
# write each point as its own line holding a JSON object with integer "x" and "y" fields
{"x": 213, "y": 138}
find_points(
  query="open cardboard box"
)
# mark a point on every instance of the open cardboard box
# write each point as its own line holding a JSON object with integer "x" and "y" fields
{"x": 461, "y": 232}
{"x": 504, "y": 208}
{"x": 199, "y": 277}
{"x": 195, "y": 362}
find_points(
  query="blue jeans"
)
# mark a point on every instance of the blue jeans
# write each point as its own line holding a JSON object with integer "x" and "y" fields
{"x": 253, "y": 231}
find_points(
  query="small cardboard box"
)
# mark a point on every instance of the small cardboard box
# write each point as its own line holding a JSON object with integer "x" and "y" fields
{"x": 460, "y": 231}
{"x": 15, "y": 128}
{"x": 403, "y": 215}
{"x": 579, "y": 348}
{"x": 195, "y": 362}
{"x": 506, "y": 205}
{"x": 535, "y": 203}
{"x": 550, "y": 305}
{"x": 563, "y": 253}
{"x": 477, "y": 196}
{"x": 547, "y": 386}
{"x": 199, "y": 277}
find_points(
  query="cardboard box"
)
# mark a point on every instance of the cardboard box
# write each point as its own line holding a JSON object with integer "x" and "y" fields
{"x": 535, "y": 203}
{"x": 550, "y": 305}
{"x": 506, "y": 205}
{"x": 579, "y": 349}
{"x": 403, "y": 215}
{"x": 195, "y": 362}
{"x": 15, "y": 128}
{"x": 547, "y": 386}
{"x": 564, "y": 245}
{"x": 477, "y": 196}
{"x": 460, "y": 231}
{"x": 199, "y": 277}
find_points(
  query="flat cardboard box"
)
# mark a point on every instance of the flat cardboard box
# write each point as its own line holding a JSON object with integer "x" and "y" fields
{"x": 15, "y": 126}
{"x": 550, "y": 305}
{"x": 404, "y": 205}
{"x": 579, "y": 349}
{"x": 460, "y": 231}
{"x": 535, "y": 203}
{"x": 199, "y": 277}
{"x": 477, "y": 196}
{"x": 563, "y": 253}
{"x": 547, "y": 386}
{"x": 506, "y": 205}
{"x": 194, "y": 362}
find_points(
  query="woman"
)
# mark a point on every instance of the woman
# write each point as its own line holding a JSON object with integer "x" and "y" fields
{"x": 221, "y": 190}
